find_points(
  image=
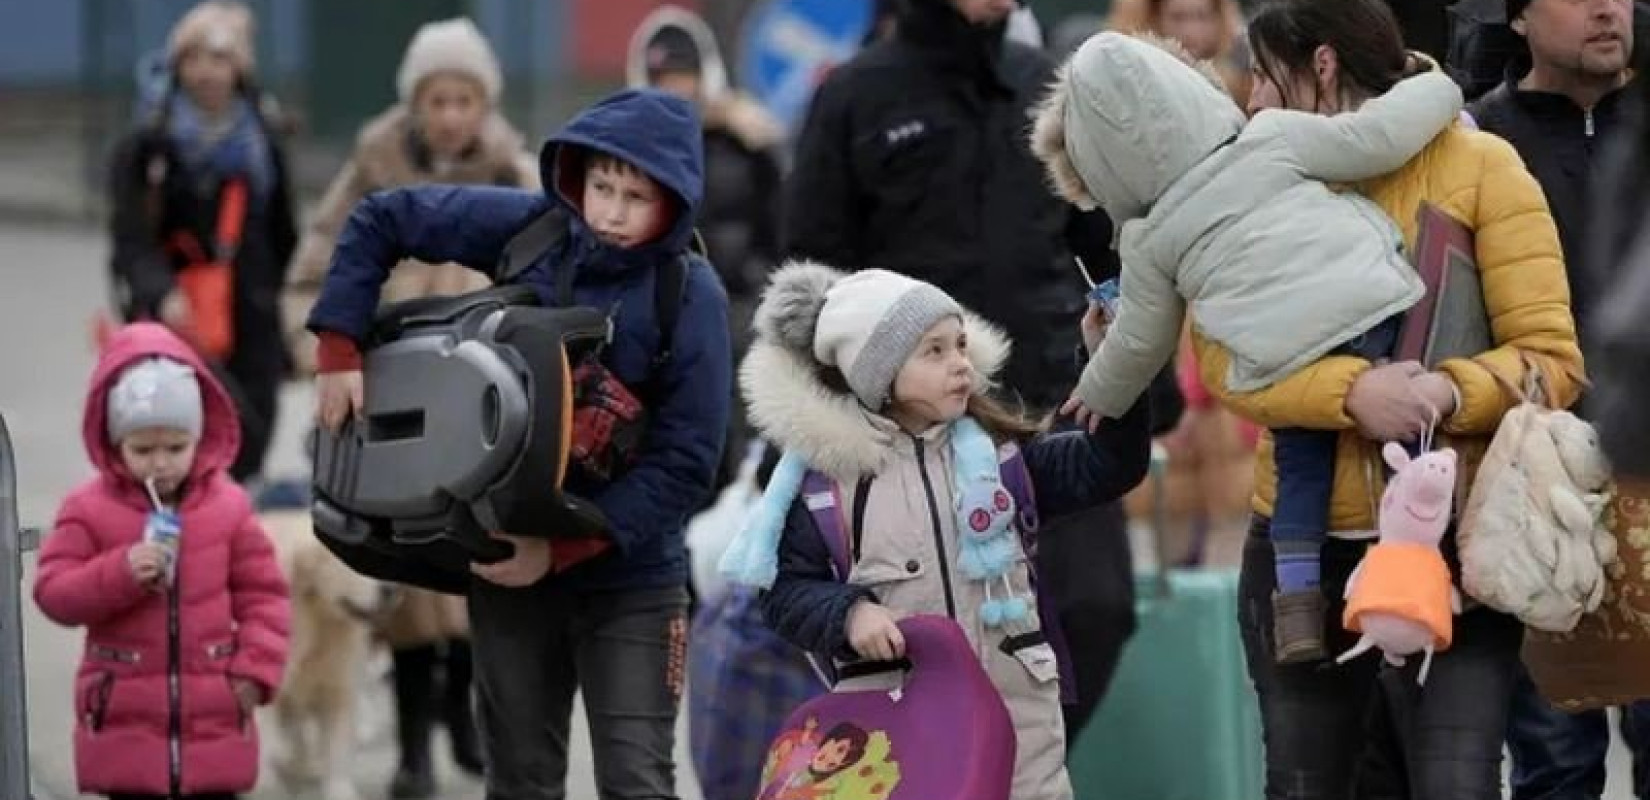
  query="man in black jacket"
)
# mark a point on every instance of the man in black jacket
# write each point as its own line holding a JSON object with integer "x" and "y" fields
{"x": 914, "y": 158}
{"x": 1560, "y": 101}
{"x": 1620, "y": 263}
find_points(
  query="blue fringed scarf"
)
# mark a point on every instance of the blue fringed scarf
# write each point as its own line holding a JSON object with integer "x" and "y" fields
{"x": 240, "y": 151}
{"x": 985, "y": 513}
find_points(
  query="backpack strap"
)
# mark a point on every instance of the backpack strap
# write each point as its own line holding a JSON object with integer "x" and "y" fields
{"x": 1016, "y": 478}
{"x": 544, "y": 234}
{"x": 669, "y": 289}
{"x": 862, "y": 491}
{"x": 547, "y": 231}
{"x": 824, "y": 500}
{"x": 823, "y": 496}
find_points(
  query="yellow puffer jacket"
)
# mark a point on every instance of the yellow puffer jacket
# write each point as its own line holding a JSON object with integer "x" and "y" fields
{"x": 1478, "y": 179}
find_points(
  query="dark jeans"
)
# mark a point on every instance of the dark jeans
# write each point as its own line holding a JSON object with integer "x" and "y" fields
{"x": 1305, "y": 458}
{"x": 623, "y": 651}
{"x": 1559, "y": 756}
{"x": 1366, "y": 731}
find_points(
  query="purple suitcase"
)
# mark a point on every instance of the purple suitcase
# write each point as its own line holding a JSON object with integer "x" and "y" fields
{"x": 943, "y": 735}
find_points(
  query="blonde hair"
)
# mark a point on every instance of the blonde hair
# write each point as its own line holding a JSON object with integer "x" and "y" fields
{"x": 1003, "y": 423}
{"x": 216, "y": 25}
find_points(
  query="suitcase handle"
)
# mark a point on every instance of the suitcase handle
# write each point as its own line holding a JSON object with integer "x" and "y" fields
{"x": 932, "y": 641}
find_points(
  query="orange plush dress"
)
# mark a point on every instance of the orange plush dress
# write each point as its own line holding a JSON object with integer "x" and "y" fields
{"x": 1405, "y": 580}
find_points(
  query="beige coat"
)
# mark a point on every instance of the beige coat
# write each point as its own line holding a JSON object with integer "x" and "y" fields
{"x": 900, "y": 556}
{"x": 385, "y": 158}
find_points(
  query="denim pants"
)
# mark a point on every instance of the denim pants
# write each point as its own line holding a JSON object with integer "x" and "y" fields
{"x": 1560, "y": 756}
{"x": 1305, "y": 458}
{"x": 1365, "y": 730}
{"x": 624, "y": 651}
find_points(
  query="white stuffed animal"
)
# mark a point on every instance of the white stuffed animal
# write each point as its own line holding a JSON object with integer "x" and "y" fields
{"x": 1532, "y": 541}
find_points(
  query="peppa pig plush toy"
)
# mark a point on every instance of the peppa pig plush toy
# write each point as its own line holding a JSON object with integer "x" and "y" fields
{"x": 1400, "y": 597}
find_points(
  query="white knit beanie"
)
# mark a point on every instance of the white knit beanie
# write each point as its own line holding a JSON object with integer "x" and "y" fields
{"x": 154, "y": 393}
{"x": 869, "y": 325}
{"x": 452, "y": 45}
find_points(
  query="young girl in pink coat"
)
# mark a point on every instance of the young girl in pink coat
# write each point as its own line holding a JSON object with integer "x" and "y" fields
{"x": 181, "y": 644}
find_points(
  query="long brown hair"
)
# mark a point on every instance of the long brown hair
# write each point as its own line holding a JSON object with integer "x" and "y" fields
{"x": 1004, "y": 424}
{"x": 1001, "y": 422}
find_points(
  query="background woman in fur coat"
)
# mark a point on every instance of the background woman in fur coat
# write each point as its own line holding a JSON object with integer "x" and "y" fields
{"x": 445, "y": 129}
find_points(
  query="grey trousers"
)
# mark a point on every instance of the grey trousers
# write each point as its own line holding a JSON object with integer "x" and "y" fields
{"x": 624, "y": 651}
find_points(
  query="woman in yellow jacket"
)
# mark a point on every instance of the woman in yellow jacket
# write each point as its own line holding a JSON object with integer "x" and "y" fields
{"x": 1326, "y": 56}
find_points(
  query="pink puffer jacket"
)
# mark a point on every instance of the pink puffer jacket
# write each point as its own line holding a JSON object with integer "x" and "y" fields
{"x": 154, "y": 706}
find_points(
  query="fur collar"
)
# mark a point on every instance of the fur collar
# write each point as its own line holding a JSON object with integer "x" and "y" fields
{"x": 386, "y": 154}
{"x": 792, "y": 408}
{"x": 1049, "y": 118}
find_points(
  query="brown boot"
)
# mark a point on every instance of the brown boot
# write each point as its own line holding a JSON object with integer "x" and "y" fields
{"x": 1297, "y": 626}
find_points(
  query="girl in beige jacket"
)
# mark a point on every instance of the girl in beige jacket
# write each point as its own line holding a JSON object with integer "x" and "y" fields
{"x": 880, "y": 382}
{"x": 445, "y": 129}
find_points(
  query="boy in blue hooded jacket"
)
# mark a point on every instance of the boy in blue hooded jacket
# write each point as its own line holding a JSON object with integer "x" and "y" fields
{"x": 560, "y": 616}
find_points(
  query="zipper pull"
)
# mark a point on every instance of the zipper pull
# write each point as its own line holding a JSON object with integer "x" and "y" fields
{"x": 1589, "y": 117}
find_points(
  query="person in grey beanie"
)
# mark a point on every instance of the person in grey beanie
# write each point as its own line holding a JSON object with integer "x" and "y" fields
{"x": 159, "y": 557}
{"x": 883, "y": 383}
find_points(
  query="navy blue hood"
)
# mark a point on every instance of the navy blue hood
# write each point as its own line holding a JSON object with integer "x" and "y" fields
{"x": 658, "y": 132}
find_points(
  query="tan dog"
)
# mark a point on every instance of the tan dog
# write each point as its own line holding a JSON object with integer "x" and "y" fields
{"x": 333, "y": 614}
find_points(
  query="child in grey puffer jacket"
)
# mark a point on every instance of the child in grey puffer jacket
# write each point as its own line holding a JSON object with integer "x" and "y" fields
{"x": 1237, "y": 223}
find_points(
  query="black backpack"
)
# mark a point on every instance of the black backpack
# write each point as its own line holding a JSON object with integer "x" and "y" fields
{"x": 546, "y": 233}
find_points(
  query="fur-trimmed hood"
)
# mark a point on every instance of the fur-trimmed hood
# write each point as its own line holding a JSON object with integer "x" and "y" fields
{"x": 389, "y": 153}
{"x": 787, "y": 399}
{"x": 713, "y": 74}
{"x": 1126, "y": 117}
{"x": 723, "y": 107}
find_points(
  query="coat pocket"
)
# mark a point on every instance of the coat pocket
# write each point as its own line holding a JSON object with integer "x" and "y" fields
{"x": 901, "y": 585}
{"x": 243, "y": 715}
{"x": 218, "y": 655}
{"x": 92, "y": 692}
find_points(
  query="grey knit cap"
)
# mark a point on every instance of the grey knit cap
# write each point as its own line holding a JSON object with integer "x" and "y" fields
{"x": 154, "y": 393}
{"x": 871, "y": 322}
